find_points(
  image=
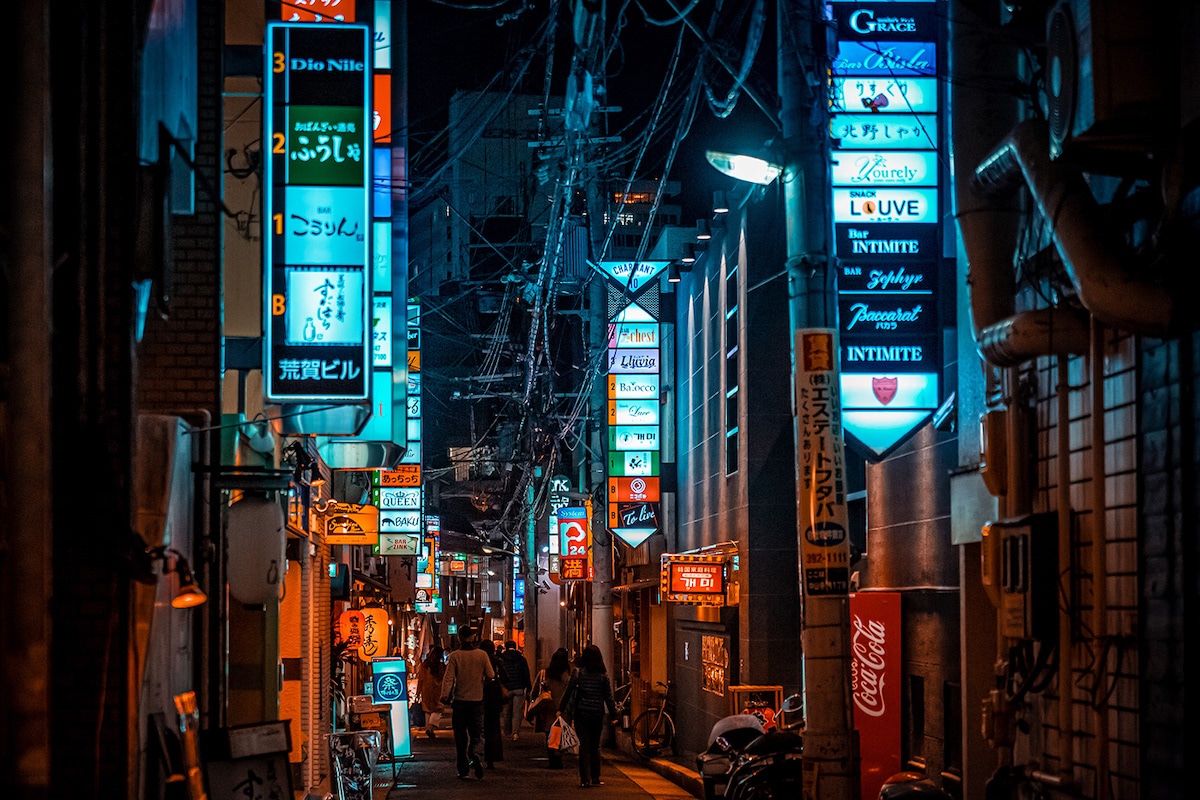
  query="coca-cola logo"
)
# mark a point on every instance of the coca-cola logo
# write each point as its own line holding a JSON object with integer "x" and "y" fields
{"x": 869, "y": 668}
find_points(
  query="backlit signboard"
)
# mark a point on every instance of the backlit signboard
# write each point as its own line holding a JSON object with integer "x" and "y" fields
{"x": 634, "y": 399}
{"x": 693, "y": 579}
{"x": 885, "y": 123}
{"x": 317, "y": 243}
{"x": 351, "y": 523}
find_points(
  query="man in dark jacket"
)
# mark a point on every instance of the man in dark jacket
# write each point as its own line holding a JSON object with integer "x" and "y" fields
{"x": 517, "y": 681}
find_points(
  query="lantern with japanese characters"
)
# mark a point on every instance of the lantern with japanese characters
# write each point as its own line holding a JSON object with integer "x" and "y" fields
{"x": 374, "y": 640}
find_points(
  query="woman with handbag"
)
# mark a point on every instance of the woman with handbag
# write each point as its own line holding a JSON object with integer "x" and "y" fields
{"x": 587, "y": 702}
{"x": 429, "y": 687}
{"x": 553, "y": 679}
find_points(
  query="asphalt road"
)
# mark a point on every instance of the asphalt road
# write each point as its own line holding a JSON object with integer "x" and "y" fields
{"x": 430, "y": 775}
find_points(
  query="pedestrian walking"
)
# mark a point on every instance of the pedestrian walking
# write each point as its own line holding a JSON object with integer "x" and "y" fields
{"x": 429, "y": 687}
{"x": 462, "y": 689}
{"x": 517, "y": 681}
{"x": 554, "y": 678}
{"x": 586, "y": 702}
{"x": 493, "y": 706}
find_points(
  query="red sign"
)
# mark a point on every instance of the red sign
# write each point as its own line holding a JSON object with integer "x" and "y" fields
{"x": 697, "y": 578}
{"x": 573, "y": 569}
{"x": 403, "y": 475}
{"x": 633, "y": 490}
{"x": 875, "y": 684}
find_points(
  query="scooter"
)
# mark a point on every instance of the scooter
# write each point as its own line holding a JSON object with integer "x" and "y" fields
{"x": 771, "y": 765}
{"x": 760, "y": 764}
{"x": 725, "y": 743}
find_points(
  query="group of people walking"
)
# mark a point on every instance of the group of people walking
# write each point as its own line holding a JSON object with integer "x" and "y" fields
{"x": 486, "y": 690}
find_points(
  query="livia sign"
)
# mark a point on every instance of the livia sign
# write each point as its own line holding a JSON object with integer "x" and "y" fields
{"x": 317, "y": 243}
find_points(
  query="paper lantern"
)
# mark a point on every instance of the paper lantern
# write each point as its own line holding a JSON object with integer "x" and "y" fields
{"x": 374, "y": 640}
{"x": 350, "y": 628}
{"x": 257, "y": 550}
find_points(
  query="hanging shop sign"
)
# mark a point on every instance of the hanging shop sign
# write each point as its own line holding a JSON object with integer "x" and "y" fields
{"x": 631, "y": 274}
{"x": 575, "y": 543}
{"x": 693, "y": 579}
{"x": 399, "y": 544}
{"x": 886, "y": 124}
{"x": 633, "y": 490}
{"x": 350, "y": 523}
{"x": 427, "y": 568}
{"x": 317, "y": 247}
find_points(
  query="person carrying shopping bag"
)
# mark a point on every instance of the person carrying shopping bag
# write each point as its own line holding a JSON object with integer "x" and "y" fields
{"x": 554, "y": 678}
{"x": 587, "y": 702}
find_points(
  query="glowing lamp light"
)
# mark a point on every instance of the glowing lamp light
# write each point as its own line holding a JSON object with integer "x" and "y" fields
{"x": 744, "y": 168}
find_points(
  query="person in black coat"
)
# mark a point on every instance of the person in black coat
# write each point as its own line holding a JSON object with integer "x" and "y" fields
{"x": 493, "y": 702}
{"x": 586, "y": 703}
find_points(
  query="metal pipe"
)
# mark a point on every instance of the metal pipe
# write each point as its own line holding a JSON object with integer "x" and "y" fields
{"x": 1105, "y": 283}
{"x": 26, "y": 549}
{"x": 1066, "y": 660}
{"x": 1099, "y": 554}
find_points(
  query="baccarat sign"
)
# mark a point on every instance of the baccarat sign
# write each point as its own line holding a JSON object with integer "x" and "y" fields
{"x": 885, "y": 126}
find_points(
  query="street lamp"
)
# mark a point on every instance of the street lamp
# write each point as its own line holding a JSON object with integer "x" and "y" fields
{"x": 751, "y": 169}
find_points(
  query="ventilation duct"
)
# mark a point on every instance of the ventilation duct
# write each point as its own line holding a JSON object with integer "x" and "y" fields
{"x": 1094, "y": 258}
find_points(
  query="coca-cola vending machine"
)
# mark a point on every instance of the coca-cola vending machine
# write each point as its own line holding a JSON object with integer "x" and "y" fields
{"x": 875, "y": 684}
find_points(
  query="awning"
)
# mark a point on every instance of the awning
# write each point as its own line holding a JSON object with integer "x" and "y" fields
{"x": 633, "y": 586}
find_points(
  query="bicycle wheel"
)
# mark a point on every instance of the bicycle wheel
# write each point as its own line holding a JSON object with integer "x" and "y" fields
{"x": 652, "y": 731}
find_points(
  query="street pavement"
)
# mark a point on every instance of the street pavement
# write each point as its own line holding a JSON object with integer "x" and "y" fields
{"x": 430, "y": 775}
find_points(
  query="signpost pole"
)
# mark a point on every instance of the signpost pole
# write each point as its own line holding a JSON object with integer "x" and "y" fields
{"x": 830, "y": 752}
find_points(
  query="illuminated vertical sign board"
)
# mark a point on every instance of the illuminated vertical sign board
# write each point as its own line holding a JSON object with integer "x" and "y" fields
{"x": 633, "y": 405}
{"x": 885, "y": 123}
{"x": 317, "y": 248}
{"x": 429, "y": 599}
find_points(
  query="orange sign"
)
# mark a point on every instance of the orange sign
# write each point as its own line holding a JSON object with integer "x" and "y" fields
{"x": 383, "y": 108}
{"x": 572, "y": 569}
{"x": 403, "y": 475}
{"x": 697, "y": 578}
{"x": 633, "y": 490}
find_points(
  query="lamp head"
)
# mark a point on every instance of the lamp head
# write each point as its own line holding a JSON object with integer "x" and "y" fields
{"x": 751, "y": 169}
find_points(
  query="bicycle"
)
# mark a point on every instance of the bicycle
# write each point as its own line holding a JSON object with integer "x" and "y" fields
{"x": 622, "y": 699}
{"x": 654, "y": 730}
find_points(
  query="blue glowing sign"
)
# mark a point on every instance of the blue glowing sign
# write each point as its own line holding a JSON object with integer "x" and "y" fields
{"x": 317, "y": 243}
{"x": 885, "y": 125}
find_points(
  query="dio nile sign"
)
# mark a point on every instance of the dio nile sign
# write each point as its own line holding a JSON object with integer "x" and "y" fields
{"x": 317, "y": 226}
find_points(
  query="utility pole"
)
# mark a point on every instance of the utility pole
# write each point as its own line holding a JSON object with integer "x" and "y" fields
{"x": 830, "y": 742}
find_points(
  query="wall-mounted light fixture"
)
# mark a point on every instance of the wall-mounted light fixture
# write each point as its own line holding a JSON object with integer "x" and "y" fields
{"x": 189, "y": 593}
{"x": 301, "y": 462}
{"x": 720, "y": 202}
{"x": 689, "y": 253}
{"x": 673, "y": 275}
{"x": 703, "y": 234}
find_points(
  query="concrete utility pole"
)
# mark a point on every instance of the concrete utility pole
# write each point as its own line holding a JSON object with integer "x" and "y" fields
{"x": 830, "y": 742}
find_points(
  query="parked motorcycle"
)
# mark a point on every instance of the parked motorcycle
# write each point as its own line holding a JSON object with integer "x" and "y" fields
{"x": 725, "y": 742}
{"x": 757, "y": 764}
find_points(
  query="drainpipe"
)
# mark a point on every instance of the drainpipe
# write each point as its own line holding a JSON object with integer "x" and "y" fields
{"x": 1092, "y": 255}
{"x": 1099, "y": 555}
{"x": 1066, "y": 660}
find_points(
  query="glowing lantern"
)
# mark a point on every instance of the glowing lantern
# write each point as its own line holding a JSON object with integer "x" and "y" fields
{"x": 350, "y": 628}
{"x": 374, "y": 640}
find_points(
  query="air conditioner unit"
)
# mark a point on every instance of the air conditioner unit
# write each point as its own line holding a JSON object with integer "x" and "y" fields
{"x": 1103, "y": 78}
